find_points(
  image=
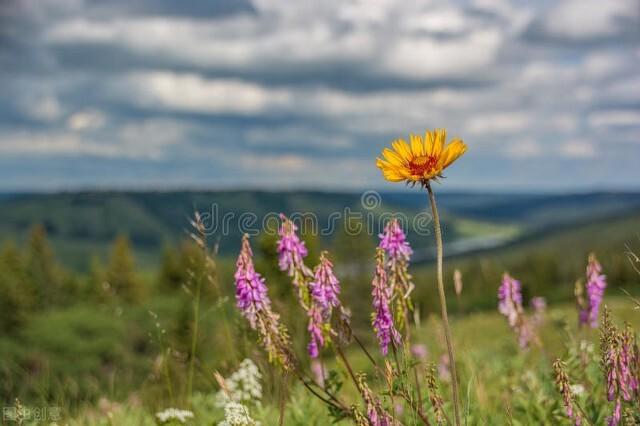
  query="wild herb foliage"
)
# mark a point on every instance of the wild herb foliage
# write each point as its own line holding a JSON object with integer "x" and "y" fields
{"x": 398, "y": 398}
{"x": 122, "y": 353}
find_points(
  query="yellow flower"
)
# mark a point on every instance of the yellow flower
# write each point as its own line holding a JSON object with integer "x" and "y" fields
{"x": 422, "y": 160}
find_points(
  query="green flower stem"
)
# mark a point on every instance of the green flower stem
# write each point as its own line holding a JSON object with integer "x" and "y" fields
{"x": 443, "y": 306}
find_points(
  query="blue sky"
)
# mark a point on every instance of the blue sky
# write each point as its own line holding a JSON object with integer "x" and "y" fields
{"x": 285, "y": 94}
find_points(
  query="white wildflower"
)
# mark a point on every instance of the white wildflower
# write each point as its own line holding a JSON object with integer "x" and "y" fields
{"x": 243, "y": 386}
{"x": 173, "y": 414}
{"x": 586, "y": 346}
{"x": 577, "y": 389}
{"x": 237, "y": 415}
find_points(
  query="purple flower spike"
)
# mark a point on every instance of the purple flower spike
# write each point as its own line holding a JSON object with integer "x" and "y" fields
{"x": 251, "y": 292}
{"x": 315, "y": 332}
{"x": 510, "y": 305}
{"x": 254, "y": 304}
{"x": 382, "y": 318}
{"x": 628, "y": 362}
{"x": 325, "y": 287}
{"x": 291, "y": 250}
{"x": 394, "y": 242}
{"x": 620, "y": 366}
{"x": 539, "y": 305}
{"x": 596, "y": 284}
{"x": 614, "y": 420}
{"x": 510, "y": 299}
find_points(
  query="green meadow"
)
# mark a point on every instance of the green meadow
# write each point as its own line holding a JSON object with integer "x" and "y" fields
{"x": 103, "y": 332}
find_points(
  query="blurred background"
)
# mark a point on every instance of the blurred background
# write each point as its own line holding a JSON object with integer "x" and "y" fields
{"x": 119, "y": 119}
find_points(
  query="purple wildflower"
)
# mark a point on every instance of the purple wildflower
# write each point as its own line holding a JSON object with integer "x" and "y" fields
{"x": 420, "y": 351}
{"x": 372, "y": 414}
{"x": 376, "y": 414}
{"x": 510, "y": 305}
{"x": 318, "y": 372}
{"x": 525, "y": 334}
{"x": 612, "y": 372}
{"x": 255, "y": 306}
{"x": 394, "y": 245}
{"x": 291, "y": 250}
{"x": 539, "y": 305}
{"x": 394, "y": 242}
{"x": 382, "y": 318}
{"x": 620, "y": 366}
{"x": 398, "y": 409}
{"x": 562, "y": 381}
{"x": 615, "y": 418}
{"x": 251, "y": 292}
{"x": 628, "y": 364}
{"x": 596, "y": 284}
{"x": 325, "y": 289}
{"x": 314, "y": 328}
{"x": 510, "y": 299}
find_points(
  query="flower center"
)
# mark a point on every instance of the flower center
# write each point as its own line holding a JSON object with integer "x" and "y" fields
{"x": 422, "y": 163}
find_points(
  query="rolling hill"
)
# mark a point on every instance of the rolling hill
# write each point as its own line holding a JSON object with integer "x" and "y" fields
{"x": 82, "y": 224}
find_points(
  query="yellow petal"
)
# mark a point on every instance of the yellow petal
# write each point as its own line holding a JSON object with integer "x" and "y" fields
{"x": 393, "y": 177}
{"x": 382, "y": 164}
{"x": 440, "y": 137}
{"x": 416, "y": 145}
{"x": 452, "y": 152}
{"x": 401, "y": 148}
{"x": 387, "y": 167}
{"x": 428, "y": 142}
{"x": 389, "y": 171}
{"x": 392, "y": 157}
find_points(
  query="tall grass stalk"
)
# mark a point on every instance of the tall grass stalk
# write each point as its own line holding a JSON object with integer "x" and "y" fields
{"x": 194, "y": 335}
{"x": 443, "y": 305}
{"x": 167, "y": 375}
{"x": 200, "y": 237}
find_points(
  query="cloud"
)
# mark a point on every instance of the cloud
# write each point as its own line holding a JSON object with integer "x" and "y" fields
{"x": 238, "y": 92}
{"x": 581, "y": 21}
{"x": 524, "y": 149}
{"x": 578, "y": 149}
{"x": 498, "y": 123}
{"x": 86, "y": 119}
{"x": 277, "y": 138}
{"x": 428, "y": 57}
{"x": 43, "y": 108}
{"x": 191, "y": 92}
{"x": 614, "y": 118}
{"x": 395, "y": 40}
{"x": 148, "y": 140}
{"x": 51, "y": 143}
